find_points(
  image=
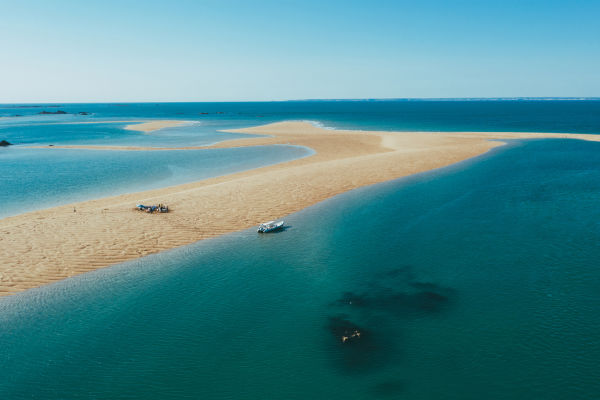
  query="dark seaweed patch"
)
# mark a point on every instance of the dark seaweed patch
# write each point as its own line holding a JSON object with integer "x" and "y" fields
{"x": 388, "y": 388}
{"x": 352, "y": 299}
{"x": 341, "y": 327}
{"x": 400, "y": 303}
{"x": 395, "y": 293}
{"x": 360, "y": 353}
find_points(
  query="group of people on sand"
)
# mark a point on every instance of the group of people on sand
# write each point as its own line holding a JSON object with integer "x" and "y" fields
{"x": 161, "y": 208}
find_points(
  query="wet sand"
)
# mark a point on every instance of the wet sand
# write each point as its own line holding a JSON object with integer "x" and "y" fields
{"x": 155, "y": 125}
{"x": 133, "y": 125}
{"x": 44, "y": 246}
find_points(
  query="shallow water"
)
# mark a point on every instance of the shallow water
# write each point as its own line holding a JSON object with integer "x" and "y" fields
{"x": 531, "y": 115}
{"x": 40, "y": 131}
{"x": 475, "y": 281}
{"x": 41, "y": 178}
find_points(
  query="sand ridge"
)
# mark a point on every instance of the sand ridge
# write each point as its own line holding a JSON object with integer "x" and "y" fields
{"x": 133, "y": 125}
{"x": 151, "y": 126}
{"x": 43, "y": 246}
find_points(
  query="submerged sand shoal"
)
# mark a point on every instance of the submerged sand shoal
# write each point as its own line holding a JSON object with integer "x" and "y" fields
{"x": 133, "y": 125}
{"x": 48, "y": 245}
{"x": 151, "y": 126}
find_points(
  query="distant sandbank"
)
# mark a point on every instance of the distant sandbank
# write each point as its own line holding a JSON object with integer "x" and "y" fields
{"x": 133, "y": 125}
{"x": 44, "y": 246}
{"x": 151, "y": 126}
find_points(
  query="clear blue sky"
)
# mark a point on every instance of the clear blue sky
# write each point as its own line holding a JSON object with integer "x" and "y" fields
{"x": 59, "y": 51}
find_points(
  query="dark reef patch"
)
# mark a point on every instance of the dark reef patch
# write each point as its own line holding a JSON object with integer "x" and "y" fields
{"x": 357, "y": 353}
{"x": 390, "y": 295}
{"x": 397, "y": 292}
{"x": 52, "y": 112}
{"x": 388, "y": 388}
{"x": 400, "y": 304}
{"x": 346, "y": 331}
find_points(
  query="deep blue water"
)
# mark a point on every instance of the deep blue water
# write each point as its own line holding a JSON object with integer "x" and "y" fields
{"x": 475, "y": 281}
{"x": 531, "y": 115}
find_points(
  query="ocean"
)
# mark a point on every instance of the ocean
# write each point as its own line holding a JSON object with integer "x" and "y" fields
{"x": 581, "y": 116}
{"x": 41, "y": 178}
{"x": 478, "y": 280}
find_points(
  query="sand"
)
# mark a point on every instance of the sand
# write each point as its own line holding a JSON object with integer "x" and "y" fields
{"x": 155, "y": 125}
{"x": 134, "y": 125}
{"x": 44, "y": 246}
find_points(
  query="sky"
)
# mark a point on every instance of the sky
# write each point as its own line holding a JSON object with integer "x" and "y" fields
{"x": 97, "y": 51}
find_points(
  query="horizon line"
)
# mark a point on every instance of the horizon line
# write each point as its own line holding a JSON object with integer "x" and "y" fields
{"x": 521, "y": 98}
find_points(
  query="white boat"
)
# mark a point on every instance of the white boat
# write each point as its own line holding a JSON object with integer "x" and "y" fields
{"x": 270, "y": 226}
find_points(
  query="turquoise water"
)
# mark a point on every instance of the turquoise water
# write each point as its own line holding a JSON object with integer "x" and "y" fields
{"x": 525, "y": 115}
{"x": 476, "y": 281}
{"x": 40, "y": 178}
{"x": 36, "y": 132}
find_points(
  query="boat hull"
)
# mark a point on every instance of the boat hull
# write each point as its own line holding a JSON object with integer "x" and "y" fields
{"x": 270, "y": 228}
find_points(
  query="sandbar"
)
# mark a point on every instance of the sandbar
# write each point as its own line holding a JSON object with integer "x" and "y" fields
{"x": 44, "y": 246}
{"x": 133, "y": 125}
{"x": 151, "y": 126}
